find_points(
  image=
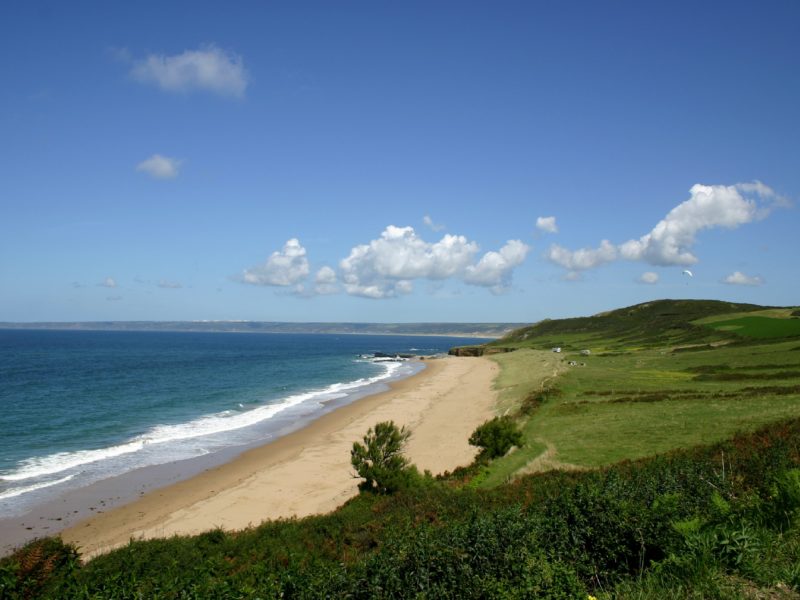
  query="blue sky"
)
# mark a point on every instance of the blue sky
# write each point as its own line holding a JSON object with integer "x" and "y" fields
{"x": 414, "y": 161}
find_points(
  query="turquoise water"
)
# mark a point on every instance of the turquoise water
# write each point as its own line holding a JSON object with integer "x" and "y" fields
{"x": 77, "y": 407}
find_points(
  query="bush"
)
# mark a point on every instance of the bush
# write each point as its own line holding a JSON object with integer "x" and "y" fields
{"x": 380, "y": 461}
{"x": 786, "y": 498}
{"x": 496, "y": 437}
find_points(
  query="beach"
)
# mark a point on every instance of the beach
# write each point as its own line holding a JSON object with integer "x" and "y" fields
{"x": 308, "y": 471}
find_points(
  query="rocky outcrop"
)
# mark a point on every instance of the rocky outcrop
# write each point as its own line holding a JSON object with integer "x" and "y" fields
{"x": 466, "y": 351}
{"x": 478, "y": 350}
{"x": 384, "y": 355}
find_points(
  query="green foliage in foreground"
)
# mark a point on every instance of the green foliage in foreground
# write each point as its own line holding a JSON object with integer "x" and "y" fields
{"x": 713, "y": 522}
{"x": 380, "y": 461}
{"x": 496, "y": 437}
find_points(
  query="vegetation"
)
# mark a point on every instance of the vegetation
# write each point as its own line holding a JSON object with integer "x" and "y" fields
{"x": 632, "y": 482}
{"x": 637, "y": 394}
{"x": 658, "y": 323}
{"x": 496, "y": 437}
{"x": 760, "y": 327}
{"x": 380, "y": 461}
{"x": 713, "y": 522}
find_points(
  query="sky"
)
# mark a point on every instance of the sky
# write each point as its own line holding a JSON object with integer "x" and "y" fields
{"x": 395, "y": 162}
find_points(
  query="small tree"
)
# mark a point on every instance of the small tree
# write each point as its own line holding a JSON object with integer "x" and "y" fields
{"x": 380, "y": 461}
{"x": 496, "y": 437}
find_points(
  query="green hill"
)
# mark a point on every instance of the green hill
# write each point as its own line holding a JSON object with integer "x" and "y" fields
{"x": 651, "y": 323}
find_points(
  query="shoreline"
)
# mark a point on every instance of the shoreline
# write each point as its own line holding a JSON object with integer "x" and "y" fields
{"x": 468, "y": 335}
{"x": 308, "y": 471}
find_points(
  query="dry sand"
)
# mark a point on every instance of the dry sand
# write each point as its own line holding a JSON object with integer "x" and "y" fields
{"x": 308, "y": 472}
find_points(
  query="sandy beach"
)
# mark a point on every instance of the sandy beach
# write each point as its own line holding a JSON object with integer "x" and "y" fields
{"x": 308, "y": 472}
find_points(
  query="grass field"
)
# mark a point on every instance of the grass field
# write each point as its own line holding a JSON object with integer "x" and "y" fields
{"x": 759, "y": 327}
{"x": 649, "y": 396}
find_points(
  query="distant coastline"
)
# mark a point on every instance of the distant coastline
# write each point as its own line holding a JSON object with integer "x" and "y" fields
{"x": 478, "y": 330}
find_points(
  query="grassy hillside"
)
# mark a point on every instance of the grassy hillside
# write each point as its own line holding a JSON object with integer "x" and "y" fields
{"x": 584, "y": 507}
{"x": 651, "y": 381}
{"x": 657, "y": 323}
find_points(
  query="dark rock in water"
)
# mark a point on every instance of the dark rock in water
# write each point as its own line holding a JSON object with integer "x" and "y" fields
{"x": 384, "y": 355}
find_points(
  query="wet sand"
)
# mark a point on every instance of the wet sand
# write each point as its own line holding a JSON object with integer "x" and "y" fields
{"x": 308, "y": 471}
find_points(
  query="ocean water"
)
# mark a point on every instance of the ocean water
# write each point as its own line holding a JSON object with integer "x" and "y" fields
{"x": 78, "y": 407}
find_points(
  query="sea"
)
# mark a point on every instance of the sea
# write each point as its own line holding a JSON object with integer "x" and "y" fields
{"x": 80, "y": 407}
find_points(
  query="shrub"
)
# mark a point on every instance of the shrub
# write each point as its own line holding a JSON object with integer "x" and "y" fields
{"x": 380, "y": 461}
{"x": 786, "y": 497}
{"x": 496, "y": 437}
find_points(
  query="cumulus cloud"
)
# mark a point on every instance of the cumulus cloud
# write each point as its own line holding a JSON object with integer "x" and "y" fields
{"x": 385, "y": 267}
{"x": 208, "y": 69}
{"x": 648, "y": 277}
{"x": 160, "y": 167}
{"x": 547, "y": 224}
{"x": 108, "y": 282}
{"x": 494, "y": 269}
{"x": 739, "y": 278}
{"x": 325, "y": 281}
{"x": 429, "y": 223}
{"x": 287, "y": 267}
{"x": 670, "y": 242}
{"x": 585, "y": 258}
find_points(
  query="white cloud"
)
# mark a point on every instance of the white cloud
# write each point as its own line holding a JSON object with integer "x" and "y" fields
{"x": 385, "y": 267}
{"x": 739, "y": 278}
{"x": 585, "y": 258}
{"x": 325, "y": 281}
{"x": 285, "y": 268}
{"x": 495, "y": 268}
{"x": 108, "y": 282}
{"x": 429, "y": 222}
{"x": 670, "y": 242}
{"x": 208, "y": 69}
{"x": 648, "y": 277}
{"x": 160, "y": 167}
{"x": 169, "y": 285}
{"x": 546, "y": 224}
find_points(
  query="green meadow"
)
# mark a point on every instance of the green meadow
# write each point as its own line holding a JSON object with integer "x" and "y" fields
{"x": 639, "y": 392}
{"x": 661, "y": 459}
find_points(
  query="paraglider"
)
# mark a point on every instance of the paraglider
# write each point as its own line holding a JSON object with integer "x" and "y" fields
{"x": 687, "y": 272}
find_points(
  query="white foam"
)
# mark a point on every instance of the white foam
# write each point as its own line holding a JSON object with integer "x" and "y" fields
{"x": 30, "y": 488}
{"x": 62, "y": 461}
{"x": 203, "y": 426}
